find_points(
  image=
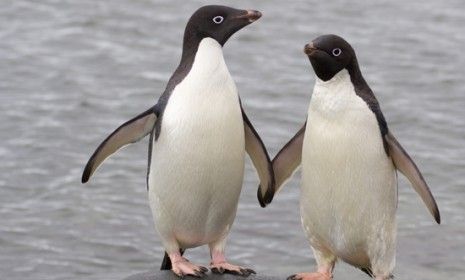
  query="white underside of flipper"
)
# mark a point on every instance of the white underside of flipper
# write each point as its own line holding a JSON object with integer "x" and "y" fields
{"x": 349, "y": 185}
{"x": 197, "y": 162}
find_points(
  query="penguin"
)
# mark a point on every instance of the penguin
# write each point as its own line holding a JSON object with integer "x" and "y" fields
{"x": 349, "y": 159}
{"x": 199, "y": 134}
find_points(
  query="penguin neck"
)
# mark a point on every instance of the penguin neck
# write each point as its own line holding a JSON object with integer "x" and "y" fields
{"x": 348, "y": 80}
{"x": 333, "y": 91}
{"x": 356, "y": 75}
{"x": 190, "y": 46}
{"x": 196, "y": 45}
{"x": 191, "y": 43}
{"x": 209, "y": 58}
{"x": 341, "y": 78}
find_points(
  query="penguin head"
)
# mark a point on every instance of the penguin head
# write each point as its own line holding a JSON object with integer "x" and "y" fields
{"x": 328, "y": 55}
{"x": 219, "y": 22}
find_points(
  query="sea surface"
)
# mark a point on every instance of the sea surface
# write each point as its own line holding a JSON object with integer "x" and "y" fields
{"x": 72, "y": 71}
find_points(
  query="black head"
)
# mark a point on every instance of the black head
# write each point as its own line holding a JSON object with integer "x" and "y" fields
{"x": 329, "y": 54}
{"x": 218, "y": 22}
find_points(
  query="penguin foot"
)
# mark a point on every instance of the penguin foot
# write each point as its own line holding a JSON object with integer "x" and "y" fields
{"x": 184, "y": 268}
{"x": 311, "y": 276}
{"x": 224, "y": 267}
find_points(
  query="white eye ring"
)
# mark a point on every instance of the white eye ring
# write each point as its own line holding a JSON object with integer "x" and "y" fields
{"x": 218, "y": 19}
{"x": 337, "y": 52}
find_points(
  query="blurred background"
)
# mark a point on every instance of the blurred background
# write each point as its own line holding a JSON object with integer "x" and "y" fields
{"x": 72, "y": 71}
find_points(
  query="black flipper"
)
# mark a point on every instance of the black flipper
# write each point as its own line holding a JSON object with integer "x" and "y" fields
{"x": 129, "y": 132}
{"x": 288, "y": 159}
{"x": 404, "y": 163}
{"x": 166, "y": 263}
{"x": 261, "y": 160}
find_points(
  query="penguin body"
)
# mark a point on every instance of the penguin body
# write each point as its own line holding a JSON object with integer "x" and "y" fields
{"x": 349, "y": 187}
{"x": 349, "y": 159}
{"x": 199, "y": 134}
{"x": 200, "y": 203}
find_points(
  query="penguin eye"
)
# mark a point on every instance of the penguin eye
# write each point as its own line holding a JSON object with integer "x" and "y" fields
{"x": 218, "y": 19}
{"x": 337, "y": 52}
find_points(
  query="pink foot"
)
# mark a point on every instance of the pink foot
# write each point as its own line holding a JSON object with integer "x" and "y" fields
{"x": 219, "y": 265}
{"x": 182, "y": 267}
{"x": 224, "y": 267}
{"x": 311, "y": 276}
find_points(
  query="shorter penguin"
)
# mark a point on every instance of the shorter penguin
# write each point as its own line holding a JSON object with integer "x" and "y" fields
{"x": 349, "y": 159}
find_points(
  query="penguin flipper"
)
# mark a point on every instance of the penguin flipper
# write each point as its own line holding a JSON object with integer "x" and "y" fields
{"x": 405, "y": 164}
{"x": 129, "y": 132}
{"x": 288, "y": 159}
{"x": 261, "y": 160}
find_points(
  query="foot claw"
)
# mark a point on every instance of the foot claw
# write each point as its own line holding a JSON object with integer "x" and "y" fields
{"x": 216, "y": 270}
{"x": 292, "y": 277}
{"x": 246, "y": 271}
{"x": 185, "y": 268}
{"x": 222, "y": 268}
{"x": 180, "y": 275}
{"x": 202, "y": 271}
{"x": 311, "y": 276}
{"x": 233, "y": 272}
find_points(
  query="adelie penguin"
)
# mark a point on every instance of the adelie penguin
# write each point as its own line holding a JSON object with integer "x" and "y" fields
{"x": 349, "y": 159}
{"x": 199, "y": 134}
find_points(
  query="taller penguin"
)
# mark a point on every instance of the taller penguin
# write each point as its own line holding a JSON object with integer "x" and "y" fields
{"x": 349, "y": 159}
{"x": 199, "y": 134}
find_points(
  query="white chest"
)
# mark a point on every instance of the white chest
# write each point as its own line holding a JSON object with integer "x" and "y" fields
{"x": 348, "y": 182}
{"x": 335, "y": 101}
{"x": 202, "y": 120}
{"x": 207, "y": 98}
{"x": 198, "y": 160}
{"x": 342, "y": 143}
{"x": 339, "y": 119}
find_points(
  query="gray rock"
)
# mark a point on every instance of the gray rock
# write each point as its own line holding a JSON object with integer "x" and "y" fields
{"x": 168, "y": 275}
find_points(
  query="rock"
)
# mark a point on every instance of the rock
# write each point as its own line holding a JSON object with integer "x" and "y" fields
{"x": 168, "y": 275}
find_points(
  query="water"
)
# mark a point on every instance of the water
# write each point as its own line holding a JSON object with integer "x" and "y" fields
{"x": 72, "y": 71}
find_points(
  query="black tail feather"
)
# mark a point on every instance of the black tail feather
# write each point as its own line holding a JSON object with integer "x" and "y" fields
{"x": 368, "y": 271}
{"x": 166, "y": 263}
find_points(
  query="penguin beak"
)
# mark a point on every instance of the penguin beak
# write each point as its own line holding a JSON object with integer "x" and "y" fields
{"x": 250, "y": 15}
{"x": 309, "y": 48}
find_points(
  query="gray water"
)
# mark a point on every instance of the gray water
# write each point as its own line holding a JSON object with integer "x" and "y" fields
{"x": 72, "y": 71}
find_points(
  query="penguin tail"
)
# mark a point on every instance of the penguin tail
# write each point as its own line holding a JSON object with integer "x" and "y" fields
{"x": 166, "y": 263}
{"x": 368, "y": 271}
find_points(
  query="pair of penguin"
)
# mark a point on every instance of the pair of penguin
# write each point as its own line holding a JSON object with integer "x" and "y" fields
{"x": 199, "y": 134}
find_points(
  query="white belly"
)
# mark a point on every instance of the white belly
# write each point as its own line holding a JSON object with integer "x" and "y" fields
{"x": 198, "y": 160}
{"x": 349, "y": 191}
